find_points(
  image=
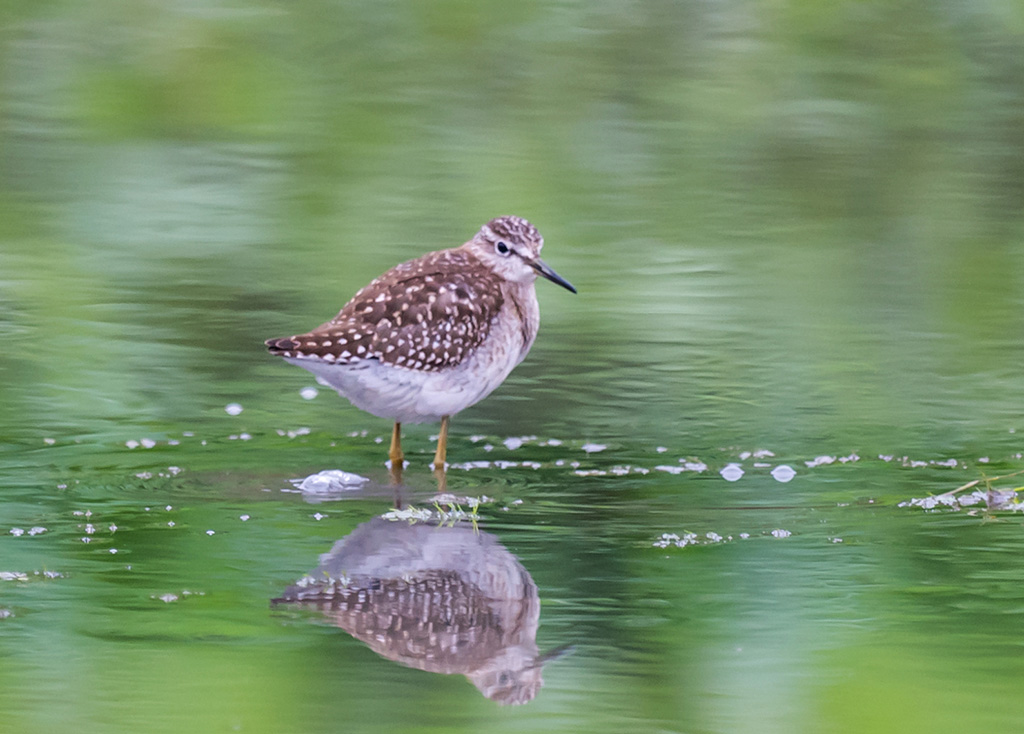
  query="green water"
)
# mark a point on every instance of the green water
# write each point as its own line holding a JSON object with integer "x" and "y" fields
{"x": 796, "y": 231}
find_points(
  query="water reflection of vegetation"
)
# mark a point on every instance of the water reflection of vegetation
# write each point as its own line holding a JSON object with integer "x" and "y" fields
{"x": 239, "y": 162}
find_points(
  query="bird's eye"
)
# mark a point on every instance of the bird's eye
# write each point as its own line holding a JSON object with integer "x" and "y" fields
{"x": 502, "y": 248}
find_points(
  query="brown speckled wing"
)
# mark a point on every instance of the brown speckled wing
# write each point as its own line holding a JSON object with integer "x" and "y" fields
{"x": 426, "y": 314}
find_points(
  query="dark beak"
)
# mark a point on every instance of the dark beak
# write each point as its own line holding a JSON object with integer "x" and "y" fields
{"x": 542, "y": 268}
{"x": 560, "y": 651}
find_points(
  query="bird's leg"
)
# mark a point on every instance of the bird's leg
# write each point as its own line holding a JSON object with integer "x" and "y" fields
{"x": 442, "y": 480}
{"x": 395, "y": 454}
{"x": 442, "y": 445}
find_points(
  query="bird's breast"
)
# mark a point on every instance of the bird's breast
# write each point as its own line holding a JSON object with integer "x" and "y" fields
{"x": 523, "y": 317}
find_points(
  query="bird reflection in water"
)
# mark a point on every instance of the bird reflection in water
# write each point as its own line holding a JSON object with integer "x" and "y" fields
{"x": 440, "y": 599}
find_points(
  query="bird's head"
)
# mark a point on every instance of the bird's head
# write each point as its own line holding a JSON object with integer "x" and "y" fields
{"x": 511, "y": 247}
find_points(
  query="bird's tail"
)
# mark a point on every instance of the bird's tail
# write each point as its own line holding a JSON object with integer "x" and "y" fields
{"x": 282, "y": 345}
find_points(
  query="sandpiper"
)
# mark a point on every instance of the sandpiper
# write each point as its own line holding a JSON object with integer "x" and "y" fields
{"x": 434, "y": 335}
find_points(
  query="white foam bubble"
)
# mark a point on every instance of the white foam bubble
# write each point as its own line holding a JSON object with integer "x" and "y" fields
{"x": 731, "y": 472}
{"x": 783, "y": 473}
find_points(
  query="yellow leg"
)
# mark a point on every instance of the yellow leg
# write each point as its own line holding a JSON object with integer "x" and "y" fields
{"x": 442, "y": 445}
{"x": 395, "y": 454}
{"x": 442, "y": 481}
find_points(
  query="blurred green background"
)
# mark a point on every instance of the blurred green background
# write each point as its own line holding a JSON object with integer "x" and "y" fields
{"x": 794, "y": 226}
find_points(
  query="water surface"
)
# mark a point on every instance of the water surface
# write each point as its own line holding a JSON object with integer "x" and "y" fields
{"x": 796, "y": 235}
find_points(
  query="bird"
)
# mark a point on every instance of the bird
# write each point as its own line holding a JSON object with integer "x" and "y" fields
{"x": 434, "y": 335}
{"x": 434, "y": 596}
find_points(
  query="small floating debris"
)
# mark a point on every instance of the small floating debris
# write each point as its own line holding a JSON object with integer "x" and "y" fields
{"x": 909, "y": 463}
{"x": 826, "y": 460}
{"x": 5, "y": 613}
{"x": 330, "y": 481}
{"x": 930, "y": 503}
{"x": 146, "y": 443}
{"x": 447, "y": 510}
{"x": 667, "y": 540}
{"x": 409, "y": 514}
{"x": 681, "y": 541}
{"x": 170, "y": 597}
{"x": 309, "y": 393}
{"x": 233, "y": 409}
{"x": 434, "y": 516}
{"x": 466, "y": 466}
{"x": 22, "y": 576}
{"x": 303, "y": 431}
{"x": 593, "y": 448}
{"x": 619, "y": 470}
{"x": 993, "y": 499}
{"x": 447, "y": 499}
{"x": 820, "y": 461}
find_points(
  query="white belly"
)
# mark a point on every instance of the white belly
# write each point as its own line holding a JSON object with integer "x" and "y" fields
{"x": 415, "y": 396}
